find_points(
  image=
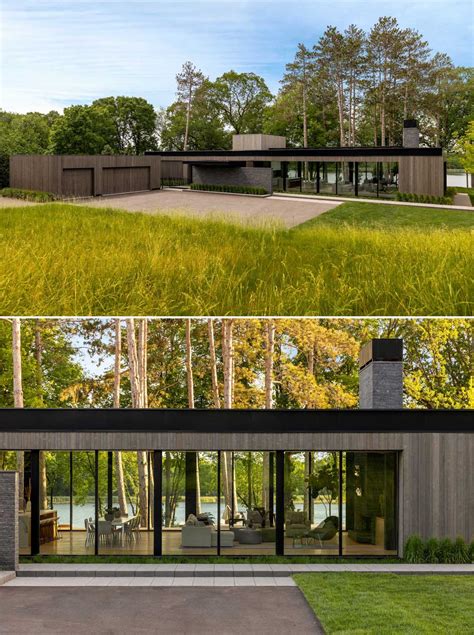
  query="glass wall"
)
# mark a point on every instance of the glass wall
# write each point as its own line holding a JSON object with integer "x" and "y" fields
{"x": 189, "y": 503}
{"x": 248, "y": 489}
{"x": 369, "y": 502}
{"x": 333, "y": 503}
{"x": 311, "y": 503}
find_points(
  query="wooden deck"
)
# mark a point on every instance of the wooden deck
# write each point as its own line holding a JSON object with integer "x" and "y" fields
{"x": 73, "y": 543}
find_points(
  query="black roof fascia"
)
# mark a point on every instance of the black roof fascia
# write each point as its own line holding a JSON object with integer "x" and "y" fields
{"x": 306, "y": 152}
{"x": 234, "y": 421}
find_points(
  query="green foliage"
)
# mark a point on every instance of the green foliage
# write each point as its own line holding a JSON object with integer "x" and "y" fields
{"x": 179, "y": 266}
{"x": 460, "y": 551}
{"x": 28, "y": 195}
{"x": 431, "y": 551}
{"x": 471, "y": 551}
{"x": 173, "y": 182}
{"x": 370, "y": 603}
{"x": 444, "y": 551}
{"x": 424, "y": 198}
{"x": 4, "y": 170}
{"x": 414, "y": 551}
{"x": 234, "y": 189}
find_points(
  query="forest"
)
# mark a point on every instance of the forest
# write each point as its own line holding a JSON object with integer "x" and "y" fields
{"x": 211, "y": 363}
{"x": 350, "y": 88}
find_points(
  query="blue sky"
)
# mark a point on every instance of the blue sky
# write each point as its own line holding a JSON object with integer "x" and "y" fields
{"x": 57, "y": 53}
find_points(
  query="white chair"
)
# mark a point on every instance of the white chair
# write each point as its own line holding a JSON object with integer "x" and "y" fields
{"x": 105, "y": 531}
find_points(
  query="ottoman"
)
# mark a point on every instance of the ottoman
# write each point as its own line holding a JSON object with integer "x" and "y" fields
{"x": 227, "y": 539}
{"x": 250, "y": 537}
{"x": 268, "y": 534}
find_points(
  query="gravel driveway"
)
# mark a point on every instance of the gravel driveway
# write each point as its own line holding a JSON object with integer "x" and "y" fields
{"x": 290, "y": 212}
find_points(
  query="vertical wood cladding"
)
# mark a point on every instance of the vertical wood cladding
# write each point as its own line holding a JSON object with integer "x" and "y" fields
{"x": 82, "y": 176}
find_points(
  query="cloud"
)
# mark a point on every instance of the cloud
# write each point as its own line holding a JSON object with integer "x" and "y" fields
{"x": 74, "y": 51}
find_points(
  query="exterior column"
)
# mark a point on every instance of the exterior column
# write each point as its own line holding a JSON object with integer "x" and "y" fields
{"x": 190, "y": 494}
{"x": 35, "y": 502}
{"x": 157, "y": 507}
{"x": 280, "y": 503}
{"x": 9, "y": 521}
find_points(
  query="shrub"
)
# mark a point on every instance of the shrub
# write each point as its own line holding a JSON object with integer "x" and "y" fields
{"x": 426, "y": 198}
{"x": 4, "y": 170}
{"x": 28, "y": 195}
{"x": 414, "y": 550}
{"x": 446, "y": 551}
{"x": 232, "y": 189}
{"x": 432, "y": 551}
{"x": 471, "y": 551}
{"x": 173, "y": 182}
{"x": 460, "y": 551}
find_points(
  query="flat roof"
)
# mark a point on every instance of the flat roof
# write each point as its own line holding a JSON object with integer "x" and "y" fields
{"x": 233, "y": 421}
{"x": 355, "y": 151}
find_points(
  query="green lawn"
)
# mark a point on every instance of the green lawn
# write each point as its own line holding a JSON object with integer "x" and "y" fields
{"x": 393, "y": 216}
{"x": 383, "y": 604}
{"x": 58, "y": 259}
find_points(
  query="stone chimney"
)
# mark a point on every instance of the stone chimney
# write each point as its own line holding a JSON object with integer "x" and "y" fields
{"x": 411, "y": 134}
{"x": 381, "y": 374}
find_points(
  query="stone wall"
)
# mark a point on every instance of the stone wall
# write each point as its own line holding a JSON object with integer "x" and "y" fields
{"x": 8, "y": 521}
{"x": 250, "y": 177}
{"x": 381, "y": 385}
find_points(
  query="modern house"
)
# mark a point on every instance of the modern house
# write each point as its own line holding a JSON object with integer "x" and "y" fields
{"x": 255, "y": 160}
{"x": 324, "y": 482}
{"x": 265, "y": 161}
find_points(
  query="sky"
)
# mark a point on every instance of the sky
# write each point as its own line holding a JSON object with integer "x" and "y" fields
{"x": 59, "y": 53}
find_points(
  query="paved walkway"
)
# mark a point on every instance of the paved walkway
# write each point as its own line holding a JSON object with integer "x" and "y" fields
{"x": 229, "y": 571}
{"x": 204, "y": 204}
{"x": 156, "y": 610}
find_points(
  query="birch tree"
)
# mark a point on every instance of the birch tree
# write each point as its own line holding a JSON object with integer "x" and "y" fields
{"x": 18, "y": 403}
{"x": 269, "y": 352}
{"x": 189, "y": 81}
{"x": 190, "y": 387}
{"x": 122, "y": 499}
{"x": 212, "y": 354}
{"x": 138, "y": 364}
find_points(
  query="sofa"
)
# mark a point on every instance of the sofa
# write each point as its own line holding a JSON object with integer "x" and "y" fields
{"x": 196, "y": 534}
{"x": 296, "y": 523}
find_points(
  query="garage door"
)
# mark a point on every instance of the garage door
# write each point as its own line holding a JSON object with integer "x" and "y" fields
{"x": 78, "y": 182}
{"x": 120, "y": 180}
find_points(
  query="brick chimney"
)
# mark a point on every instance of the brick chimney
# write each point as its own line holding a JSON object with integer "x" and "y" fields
{"x": 411, "y": 134}
{"x": 381, "y": 374}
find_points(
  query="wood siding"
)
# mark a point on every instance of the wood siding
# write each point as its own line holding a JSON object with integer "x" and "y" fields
{"x": 421, "y": 175}
{"x": 257, "y": 142}
{"x": 70, "y": 175}
{"x": 172, "y": 170}
{"x": 436, "y": 471}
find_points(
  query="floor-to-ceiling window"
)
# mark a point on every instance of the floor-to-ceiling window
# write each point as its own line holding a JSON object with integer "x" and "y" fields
{"x": 248, "y": 489}
{"x": 369, "y": 503}
{"x": 312, "y": 503}
{"x": 190, "y": 507}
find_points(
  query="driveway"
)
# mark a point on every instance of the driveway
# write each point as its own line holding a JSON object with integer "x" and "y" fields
{"x": 289, "y": 212}
{"x": 226, "y": 610}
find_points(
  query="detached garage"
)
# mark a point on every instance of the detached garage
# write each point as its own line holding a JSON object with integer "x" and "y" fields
{"x": 72, "y": 176}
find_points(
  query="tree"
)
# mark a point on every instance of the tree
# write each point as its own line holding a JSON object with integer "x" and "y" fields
{"x": 240, "y": 99}
{"x": 130, "y": 123}
{"x": 467, "y": 149}
{"x": 298, "y": 77}
{"x": 188, "y": 81}
{"x": 18, "y": 403}
{"x": 138, "y": 380}
{"x": 81, "y": 130}
{"x": 122, "y": 499}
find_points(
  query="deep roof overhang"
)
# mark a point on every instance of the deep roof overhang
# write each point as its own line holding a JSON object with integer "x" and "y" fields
{"x": 234, "y": 421}
{"x": 275, "y": 153}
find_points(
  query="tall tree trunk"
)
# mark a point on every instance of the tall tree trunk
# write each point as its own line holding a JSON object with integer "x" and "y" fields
{"x": 212, "y": 352}
{"x": 269, "y": 352}
{"x": 138, "y": 385}
{"x": 190, "y": 386}
{"x": 122, "y": 497}
{"x": 230, "y": 493}
{"x": 38, "y": 352}
{"x": 188, "y": 118}
{"x": 18, "y": 403}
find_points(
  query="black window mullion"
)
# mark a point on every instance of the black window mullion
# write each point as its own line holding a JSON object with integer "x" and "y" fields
{"x": 340, "y": 503}
{"x": 96, "y": 499}
{"x": 219, "y": 498}
{"x": 35, "y": 502}
{"x": 157, "y": 508}
{"x": 280, "y": 503}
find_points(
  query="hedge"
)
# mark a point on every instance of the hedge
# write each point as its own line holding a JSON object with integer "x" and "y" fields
{"x": 425, "y": 198}
{"x": 28, "y": 195}
{"x": 438, "y": 551}
{"x": 233, "y": 189}
{"x": 173, "y": 182}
